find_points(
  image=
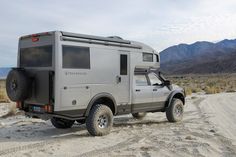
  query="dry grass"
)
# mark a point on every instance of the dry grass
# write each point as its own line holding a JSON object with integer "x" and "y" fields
{"x": 210, "y": 84}
{"x": 3, "y": 95}
{"x": 11, "y": 107}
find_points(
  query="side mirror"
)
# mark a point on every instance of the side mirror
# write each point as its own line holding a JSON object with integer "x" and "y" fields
{"x": 167, "y": 83}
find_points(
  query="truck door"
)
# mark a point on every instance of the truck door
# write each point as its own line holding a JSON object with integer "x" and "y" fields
{"x": 160, "y": 92}
{"x": 123, "y": 78}
{"x": 142, "y": 92}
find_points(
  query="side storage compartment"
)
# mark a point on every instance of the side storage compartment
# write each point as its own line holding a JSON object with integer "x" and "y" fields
{"x": 74, "y": 98}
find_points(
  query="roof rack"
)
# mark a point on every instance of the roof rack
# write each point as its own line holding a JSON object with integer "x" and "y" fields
{"x": 92, "y": 37}
{"x": 98, "y": 40}
{"x": 115, "y": 37}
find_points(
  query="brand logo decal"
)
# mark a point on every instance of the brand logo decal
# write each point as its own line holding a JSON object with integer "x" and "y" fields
{"x": 75, "y": 73}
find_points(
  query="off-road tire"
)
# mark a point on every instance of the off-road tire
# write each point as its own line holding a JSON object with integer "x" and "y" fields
{"x": 94, "y": 123}
{"x": 139, "y": 115}
{"x": 174, "y": 112}
{"x": 18, "y": 85}
{"x": 61, "y": 123}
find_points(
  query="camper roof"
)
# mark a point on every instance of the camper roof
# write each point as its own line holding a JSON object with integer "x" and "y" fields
{"x": 112, "y": 41}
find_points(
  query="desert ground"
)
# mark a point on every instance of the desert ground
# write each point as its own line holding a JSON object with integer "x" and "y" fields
{"x": 208, "y": 129}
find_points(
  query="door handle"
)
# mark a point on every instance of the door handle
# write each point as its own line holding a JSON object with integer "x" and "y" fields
{"x": 154, "y": 89}
{"x": 137, "y": 90}
{"x": 118, "y": 79}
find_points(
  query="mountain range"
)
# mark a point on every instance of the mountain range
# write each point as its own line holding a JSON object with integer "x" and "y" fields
{"x": 4, "y": 72}
{"x": 200, "y": 58}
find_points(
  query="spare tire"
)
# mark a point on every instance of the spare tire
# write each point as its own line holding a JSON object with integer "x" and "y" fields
{"x": 18, "y": 85}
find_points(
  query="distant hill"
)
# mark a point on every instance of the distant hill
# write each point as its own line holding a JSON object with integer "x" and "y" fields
{"x": 200, "y": 58}
{"x": 4, "y": 72}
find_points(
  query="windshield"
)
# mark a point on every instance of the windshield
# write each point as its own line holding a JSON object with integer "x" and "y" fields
{"x": 36, "y": 56}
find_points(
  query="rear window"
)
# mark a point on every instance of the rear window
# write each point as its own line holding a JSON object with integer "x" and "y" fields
{"x": 36, "y": 56}
{"x": 75, "y": 57}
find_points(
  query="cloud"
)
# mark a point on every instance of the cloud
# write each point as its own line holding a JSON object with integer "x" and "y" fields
{"x": 159, "y": 23}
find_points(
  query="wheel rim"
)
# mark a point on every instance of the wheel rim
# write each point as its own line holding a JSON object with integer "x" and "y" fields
{"x": 13, "y": 85}
{"x": 178, "y": 110}
{"x": 103, "y": 121}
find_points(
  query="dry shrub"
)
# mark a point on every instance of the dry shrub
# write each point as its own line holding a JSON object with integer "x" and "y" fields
{"x": 3, "y": 96}
{"x": 218, "y": 90}
{"x": 212, "y": 90}
{"x": 188, "y": 91}
{"x": 210, "y": 84}
{"x": 230, "y": 91}
{"x": 12, "y": 110}
{"x": 196, "y": 90}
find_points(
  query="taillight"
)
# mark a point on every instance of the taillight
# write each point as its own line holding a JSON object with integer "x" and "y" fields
{"x": 18, "y": 105}
{"x": 35, "y": 39}
{"x": 48, "y": 108}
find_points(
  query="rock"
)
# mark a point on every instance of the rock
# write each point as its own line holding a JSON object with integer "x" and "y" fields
{"x": 2, "y": 124}
{"x": 213, "y": 131}
{"x": 188, "y": 138}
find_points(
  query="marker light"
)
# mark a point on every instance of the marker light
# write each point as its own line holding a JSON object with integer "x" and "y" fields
{"x": 35, "y": 39}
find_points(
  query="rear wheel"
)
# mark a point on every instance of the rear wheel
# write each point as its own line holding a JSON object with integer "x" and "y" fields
{"x": 62, "y": 123}
{"x": 100, "y": 120}
{"x": 175, "y": 111}
{"x": 139, "y": 115}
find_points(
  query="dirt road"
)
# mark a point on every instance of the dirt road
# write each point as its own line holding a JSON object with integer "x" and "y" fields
{"x": 208, "y": 129}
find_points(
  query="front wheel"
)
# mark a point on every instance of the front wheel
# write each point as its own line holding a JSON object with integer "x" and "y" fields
{"x": 100, "y": 120}
{"x": 61, "y": 123}
{"x": 175, "y": 111}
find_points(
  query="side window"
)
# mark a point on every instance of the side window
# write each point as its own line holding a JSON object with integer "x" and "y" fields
{"x": 75, "y": 57}
{"x": 140, "y": 80}
{"x": 157, "y": 58}
{"x": 123, "y": 64}
{"x": 147, "y": 57}
{"x": 154, "y": 79}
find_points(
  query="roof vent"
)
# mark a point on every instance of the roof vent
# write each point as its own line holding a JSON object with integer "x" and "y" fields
{"x": 115, "y": 37}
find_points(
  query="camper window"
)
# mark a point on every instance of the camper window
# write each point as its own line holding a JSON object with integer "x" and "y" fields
{"x": 36, "y": 56}
{"x": 147, "y": 57}
{"x": 75, "y": 57}
{"x": 123, "y": 64}
{"x": 157, "y": 58}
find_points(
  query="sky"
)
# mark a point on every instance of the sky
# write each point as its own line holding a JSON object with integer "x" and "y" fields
{"x": 158, "y": 23}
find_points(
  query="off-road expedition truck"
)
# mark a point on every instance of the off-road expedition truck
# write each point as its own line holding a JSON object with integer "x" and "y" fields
{"x": 68, "y": 77}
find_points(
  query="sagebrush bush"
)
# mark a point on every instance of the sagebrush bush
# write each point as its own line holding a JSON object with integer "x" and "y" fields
{"x": 3, "y": 96}
{"x": 188, "y": 91}
{"x": 210, "y": 84}
{"x": 196, "y": 90}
